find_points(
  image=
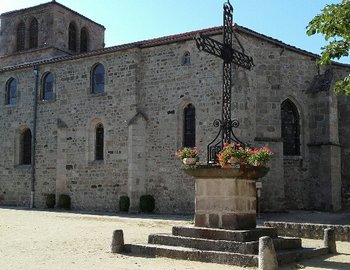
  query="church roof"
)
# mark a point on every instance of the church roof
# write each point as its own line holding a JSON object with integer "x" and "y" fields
{"x": 167, "y": 40}
{"x": 53, "y": 2}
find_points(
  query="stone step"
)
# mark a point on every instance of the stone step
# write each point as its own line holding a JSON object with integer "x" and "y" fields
{"x": 192, "y": 254}
{"x": 221, "y": 234}
{"x": 204, "y": 244}
{"x": 220, "y": 257}
{"x": 286, "y": 257}
{"x": 286, "y": 243}
{"x": 221, "y": 245}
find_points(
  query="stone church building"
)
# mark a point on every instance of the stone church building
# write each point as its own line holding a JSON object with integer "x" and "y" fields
{"x": 98, "y": 123}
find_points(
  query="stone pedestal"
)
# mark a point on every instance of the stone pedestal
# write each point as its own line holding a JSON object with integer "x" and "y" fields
{"x": 226, "y": 198}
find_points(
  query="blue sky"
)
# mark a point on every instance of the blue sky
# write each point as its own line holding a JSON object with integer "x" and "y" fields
{"x": 134, "y": 20}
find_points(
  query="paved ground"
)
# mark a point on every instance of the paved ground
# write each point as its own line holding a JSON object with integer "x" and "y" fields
{"x": 35, "y": 240}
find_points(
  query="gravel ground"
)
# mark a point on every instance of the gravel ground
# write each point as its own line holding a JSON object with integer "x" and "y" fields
{"x": 58, "y": 240}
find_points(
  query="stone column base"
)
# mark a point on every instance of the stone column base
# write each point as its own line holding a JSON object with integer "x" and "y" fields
{"x": 225, "y": 203}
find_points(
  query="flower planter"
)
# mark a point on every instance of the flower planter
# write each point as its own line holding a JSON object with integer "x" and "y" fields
{"x": 189, "y": 161}
{"x": 230, "y": 171}
{"x": 226, "y": 197}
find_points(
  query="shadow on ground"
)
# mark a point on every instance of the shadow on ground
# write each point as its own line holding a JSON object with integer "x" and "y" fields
{"x": 324, "y": 262}
{"x": 106, "y": 214}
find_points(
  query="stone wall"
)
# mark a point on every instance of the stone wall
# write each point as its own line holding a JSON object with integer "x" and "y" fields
{"x": 146, "y": 90}
{"x": 280, "y": 74}
{"x": 309, "y": 230}
{"x": 294, "y": 183}
{"x": 344, "y": 129}
{"x": 64, "y": 134}
{"x": 30, "y": 55}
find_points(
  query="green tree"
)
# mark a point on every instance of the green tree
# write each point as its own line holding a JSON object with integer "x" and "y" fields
{"x": 334, "y": 24}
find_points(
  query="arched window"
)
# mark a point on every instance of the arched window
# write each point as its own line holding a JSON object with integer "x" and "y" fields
{"x": 84, "y": 38}
{"x": 48, "y": 87}
{"x": 186, "y": 58}
{"x": 11, "y": 92}
{"x": 290, "y": 128}
{"x": 26, "y": 147}
{"x": 99, "y": 142}
{"x": 98, "y": 79}
{"x": 189, "y": 139}
{"x": 21, "y": 38}
{"x": 72, "y": 37}
{"x": 33, "y": 34}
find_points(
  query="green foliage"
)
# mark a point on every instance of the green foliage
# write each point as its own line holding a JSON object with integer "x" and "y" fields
{"x": 333, "y": 23}
{"x": 64, "y": 201}
{"x": 50, "y": 200}
{"x": 124, "y": 203}
{"x": 343, "y": 86}
{"x": 147, "y": 203}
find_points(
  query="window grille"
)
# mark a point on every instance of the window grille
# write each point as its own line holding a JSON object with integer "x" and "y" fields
{"x": 98, "y": 79}
{"x": 27, "y": 147}
{"x": 11, "y": 92}
{"x": 33, "y": 34}
{"x": 72, "y": 38}
{"x": 189, "y": 126}
{"x": 21, "y": 36}
{"x": 84, "y": 40}
{"x": 290, "y": 129}
{"x": 48, "y": 87}
{"x": 99, "y": 142}
{"x": 187, "y": 58}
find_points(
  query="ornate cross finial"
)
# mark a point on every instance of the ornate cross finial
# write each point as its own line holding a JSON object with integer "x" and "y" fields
{"x": 229, "y": 55}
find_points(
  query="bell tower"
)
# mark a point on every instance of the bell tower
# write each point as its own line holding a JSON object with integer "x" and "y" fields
{"x": 46, "y": 31}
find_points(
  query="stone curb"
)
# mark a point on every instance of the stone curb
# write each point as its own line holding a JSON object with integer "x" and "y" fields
{"x": 309, "y": 230}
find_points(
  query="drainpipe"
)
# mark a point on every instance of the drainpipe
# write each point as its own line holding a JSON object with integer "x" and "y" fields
{"x": 35, "y": 110}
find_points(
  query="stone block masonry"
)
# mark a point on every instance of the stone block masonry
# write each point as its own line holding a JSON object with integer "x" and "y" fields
{"x": 147, "y": 87}
{"x": 225, "y": 203}
{"x": 309, "y": 230}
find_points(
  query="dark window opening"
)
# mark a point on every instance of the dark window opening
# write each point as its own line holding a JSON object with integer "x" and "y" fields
{"x": 72, "y": 38}
{"x": 98, "y": 79}
{"x": 11, "y": 92}
{"x": 48, "y": 87}
{"x": 187, "y": 58}
{"x": 290, "y": 129}
{"x": 21, "y": 36}
{"x": 84, "y": 40}
{"x": 26, "y": 147}
{"x": 33, "y": 34}
{"x": 189, "y": 126}
{"x": 99, "y": 142}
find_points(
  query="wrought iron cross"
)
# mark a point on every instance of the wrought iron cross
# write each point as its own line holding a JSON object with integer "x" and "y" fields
{"x": 225, "y": 51}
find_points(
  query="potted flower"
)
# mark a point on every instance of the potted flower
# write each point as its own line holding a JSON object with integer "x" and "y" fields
{"x": 188, "y": 155}
{"x": 260, "y": 156}
{"x": 235, "y": 155}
